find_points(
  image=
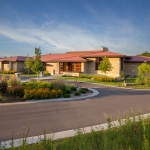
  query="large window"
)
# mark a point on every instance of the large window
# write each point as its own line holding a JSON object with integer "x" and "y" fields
{"x": 70, "y": 67}
{"x": 97, "y": 61}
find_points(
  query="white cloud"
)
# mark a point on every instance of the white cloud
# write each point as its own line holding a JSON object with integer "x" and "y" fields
{"x": 57, "y": 38}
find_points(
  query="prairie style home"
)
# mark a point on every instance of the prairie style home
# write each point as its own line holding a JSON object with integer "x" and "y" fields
{"x": 77, "y": 62}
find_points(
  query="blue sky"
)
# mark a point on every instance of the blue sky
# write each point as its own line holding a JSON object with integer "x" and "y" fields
{"x": 57, "y": 26}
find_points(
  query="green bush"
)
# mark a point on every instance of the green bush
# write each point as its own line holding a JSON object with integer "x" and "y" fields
{"x": 3, "y": 87}
{"x": 9, "y": 71}
{"x": 77, "y": 93}
{"x": 88, "y": 76}
{"x": 16, "y": 91}
{"x": 37, "y": 84}
{"x": 58, "y": 85}
{"x": 66, "y": 95}
{"x": 83, "y": 91}
{"x": 73, "y": 88}
{"x": 86, "y": 89}
{"x": 68, "y": 91}
{"x": 103, "y": 79}
{"x": 46, "y": 73}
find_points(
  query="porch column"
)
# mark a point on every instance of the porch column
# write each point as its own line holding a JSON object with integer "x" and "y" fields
{"x": 58, "y": 67}
{"x": 9, "y": 65}
{"x": 16, "y": 66}
{"x": 1, "y": 65}
{"x": 82, "y": 67}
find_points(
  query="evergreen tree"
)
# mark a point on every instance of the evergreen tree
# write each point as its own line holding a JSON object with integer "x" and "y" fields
{"x": 105, "y": 65}
{"x": 37, "y": 65}
{"x": 28, "y": 63}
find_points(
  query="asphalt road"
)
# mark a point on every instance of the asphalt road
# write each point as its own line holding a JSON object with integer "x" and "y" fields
{"x": 16, "y": 120}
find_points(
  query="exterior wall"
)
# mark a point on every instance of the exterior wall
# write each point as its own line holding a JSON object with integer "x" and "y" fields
{"x": 84, "y": 67}
{"x": 116, "y": 64}
{"x": 20, "y": 66}
{"x": 5, "y": 66}
{"x": 14, "y": 66}
{"x": 131, "y": 69}
{"x": 52, "y": 66}
{"x": 1, "y": 65}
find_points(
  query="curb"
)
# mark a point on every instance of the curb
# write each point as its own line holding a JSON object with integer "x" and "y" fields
{"x": 65, "y": 134}
{"x": 95, "y": 92}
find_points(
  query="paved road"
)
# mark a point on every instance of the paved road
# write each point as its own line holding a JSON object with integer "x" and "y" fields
{"x": 59, "y": 116}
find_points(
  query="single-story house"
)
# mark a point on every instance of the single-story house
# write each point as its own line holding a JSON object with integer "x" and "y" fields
{"x": 13, "y": 63}
{"x": 78, "y": 62}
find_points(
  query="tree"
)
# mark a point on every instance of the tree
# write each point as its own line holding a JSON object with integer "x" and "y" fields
{"x": 28, "y": 63}
{"x": 105, "y": 65}
{"x": 144, "y": 73}
{"x": 37, "y": 65}
{"x": 145, "y": 54}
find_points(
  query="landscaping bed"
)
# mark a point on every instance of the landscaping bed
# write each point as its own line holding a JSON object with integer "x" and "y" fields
{"x": 13, "y": 90}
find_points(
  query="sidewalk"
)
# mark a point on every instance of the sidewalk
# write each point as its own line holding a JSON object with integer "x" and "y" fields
{"x": 40, "y": 78}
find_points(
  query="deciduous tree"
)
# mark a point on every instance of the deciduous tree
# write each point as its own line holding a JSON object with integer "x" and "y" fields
{"x": 28, "y": 63}
{"x": 105, "y": 65}
{"x": 37, "y": 65}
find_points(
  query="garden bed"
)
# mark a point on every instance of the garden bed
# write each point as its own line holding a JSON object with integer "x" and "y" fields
{"x": 38, "y": 90}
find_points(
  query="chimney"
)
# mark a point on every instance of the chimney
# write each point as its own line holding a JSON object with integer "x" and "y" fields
{"x": 104, "y": 49}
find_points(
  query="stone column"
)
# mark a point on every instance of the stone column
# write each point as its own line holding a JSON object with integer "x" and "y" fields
{"x": 10, "y": 66}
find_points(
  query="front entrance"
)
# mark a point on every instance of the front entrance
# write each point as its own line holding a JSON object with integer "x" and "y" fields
{"x": 69, "y": 67}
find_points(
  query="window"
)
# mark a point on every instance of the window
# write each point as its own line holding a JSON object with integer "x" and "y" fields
{"x": 121, "y": 67}
{"x": 77, "y": 67}
{"x": 70, "y": 66}
{"x": 97, "y": 61}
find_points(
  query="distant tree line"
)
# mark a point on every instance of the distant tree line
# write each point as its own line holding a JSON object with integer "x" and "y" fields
{"x": 145, "y": 54}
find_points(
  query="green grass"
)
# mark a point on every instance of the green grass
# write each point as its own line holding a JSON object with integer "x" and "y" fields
{"x": 131, "y": 135}
{"x": 91, "y": 80}
{"x": 117, "y": 84}
{"x": 130, "y": 80}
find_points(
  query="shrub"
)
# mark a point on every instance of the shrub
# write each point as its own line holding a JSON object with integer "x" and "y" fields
{"x": 86, "y": 89}
{"x": 68, "y": 91}
{"x": 14, "y": 81}
{"x": 3, "y": 85}
{"x": 88, "y": 76}
{"x": 3, "y": 98}
{"x": 37, "y": 84}
{"x": 43, "y": 93}
{"x": 66, "y": 95}
{"x": 122, "y": 75}
{"x": 73, "y": 88}
{"x": 9, "y": 71}
{"x": 104, "y": 79}
{"x": 77, "y": 93}
{"x": 139, "y": 81}
{"x": 46, "y": 73}
{"x": 16, "y": 91}
{"x": 58, "y": 85}
{"x": 83, "y": 91}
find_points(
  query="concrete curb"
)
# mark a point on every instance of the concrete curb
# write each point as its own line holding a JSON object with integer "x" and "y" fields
{"x": 95, "y": 92}
{"x": 64, "y": 134}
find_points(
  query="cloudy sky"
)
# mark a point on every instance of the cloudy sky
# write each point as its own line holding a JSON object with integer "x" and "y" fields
{"x": 57, "y": 26}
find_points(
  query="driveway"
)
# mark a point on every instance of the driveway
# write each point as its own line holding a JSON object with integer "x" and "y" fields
{"x": 60, "y": 116}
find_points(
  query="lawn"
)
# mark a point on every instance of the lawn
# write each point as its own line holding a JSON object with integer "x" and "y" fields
{"x": 117, "y": 84}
